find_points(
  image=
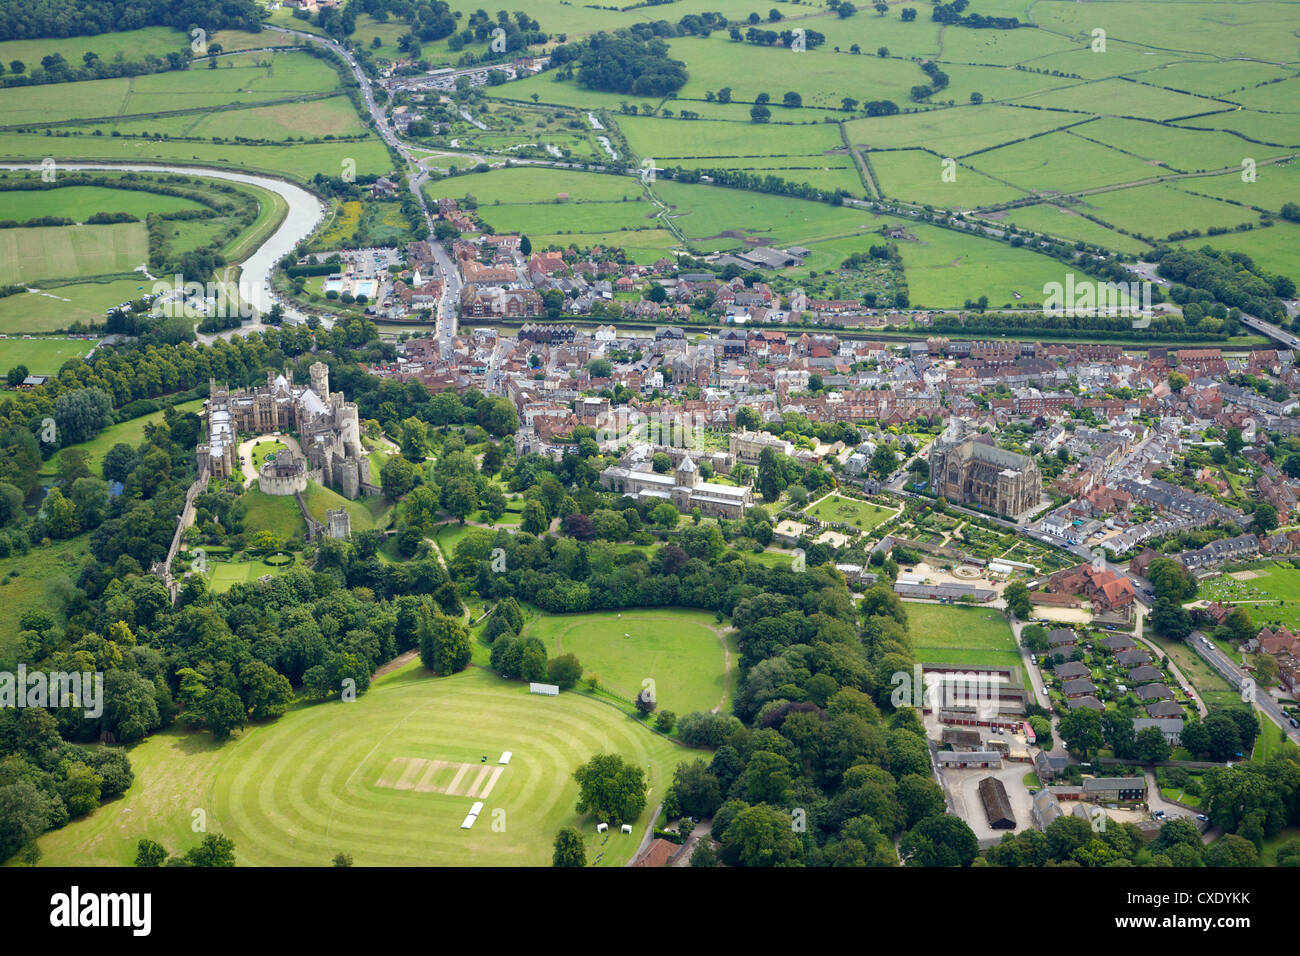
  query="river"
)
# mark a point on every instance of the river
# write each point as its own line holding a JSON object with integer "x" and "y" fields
{"x": 305, "y": 212}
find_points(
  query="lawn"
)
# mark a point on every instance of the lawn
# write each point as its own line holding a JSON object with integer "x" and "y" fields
{"x": 223, "y": 575}
{"x": 861, "y": 514}
{"x": 679, "y": 650}
{"x": 328, "y": 778}
{"x": 367, "y": 513}
{"x": 266, "y": 449}
{"x": 40, "y": 356}
{"x": 275, "y": 513}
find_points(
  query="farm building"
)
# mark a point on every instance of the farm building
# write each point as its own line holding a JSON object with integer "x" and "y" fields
{"x": 1115, "y": 789}
{"x": 997, "y": 805}
{"x": 983, "y": 759}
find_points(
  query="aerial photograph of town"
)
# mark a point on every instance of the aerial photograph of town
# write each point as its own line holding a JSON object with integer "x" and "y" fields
{"x": 680, "y": 434}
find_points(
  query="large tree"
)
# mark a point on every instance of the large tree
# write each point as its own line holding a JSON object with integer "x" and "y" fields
{"x": 611, "y": 789}
{"x": 569, "y": 848}
{"x": 444, "y": 642}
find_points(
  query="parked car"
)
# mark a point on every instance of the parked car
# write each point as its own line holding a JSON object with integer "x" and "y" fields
{"x": 1203, "y": 818}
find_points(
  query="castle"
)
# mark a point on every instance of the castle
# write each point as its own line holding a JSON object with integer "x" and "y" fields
{"x": 329, "y": 433}
{"x": 971, "y": 471}
{"x": 635, "y": 477}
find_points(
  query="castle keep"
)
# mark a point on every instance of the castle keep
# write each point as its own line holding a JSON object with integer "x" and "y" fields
{"x": 329, "y": 431}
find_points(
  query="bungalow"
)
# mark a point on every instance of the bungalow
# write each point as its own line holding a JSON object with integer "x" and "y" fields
{"x": 1152, "y": 692}
{"x": 1115, "y": 789}
{"x": 1062, "y": 637}
{"x": 1092, "y": 703}
{"x": 1132, "y": 658}
{"x": 1164, "y": 708}
{"x": 1145, "y": 674}
{"x": 1072, "y": 670}
{"x": 1078, "y": 688}
{"x": 1116, "y": 643}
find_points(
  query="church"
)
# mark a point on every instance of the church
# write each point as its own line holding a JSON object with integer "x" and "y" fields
{"x": 976, "y": 472}
{"x": 634, "y": 476}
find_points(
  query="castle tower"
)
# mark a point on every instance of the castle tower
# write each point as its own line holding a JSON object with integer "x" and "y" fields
{"x": 320, "y": 380}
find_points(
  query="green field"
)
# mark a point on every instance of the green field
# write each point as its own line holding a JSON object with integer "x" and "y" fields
{"x": 951, "y": 634}
{"x": 300, "y": 163}
{"x": 861, "y": 514}
{"x": 680, "y": 650}
{"x": 41, "y": 356}
{"x": 36, "y": 580}
{"x": 54, "y": 252}
{"x": 278, "y": 514}
{"x": 366, "y": 513}
{"x": 944, "y": 268}
{"x": 324, "y": 779}
{"x": 130, "y": 432}
{"x": 1272, "y": 599}
{"x": 52, "y": 309}
{"x": 80, "y": 202}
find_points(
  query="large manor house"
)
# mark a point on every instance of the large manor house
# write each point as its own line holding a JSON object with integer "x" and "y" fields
{"x": 328, "y": 429}
{"x": 635, "y": 476}
{"x": 974, "y": 471}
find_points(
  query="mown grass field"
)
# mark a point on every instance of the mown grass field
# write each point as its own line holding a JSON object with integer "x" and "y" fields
{"x": 56, "y": 252}
{"x": 299, "y": 790}
{"x": 300, "y": 163}
{"x": 80, "y": 202}
{"x": 952, "y": 634}
{"x": 679, "y": 650}
{"x": 366, "y": 513}
{"x": 944, "y": 268}
{"x": 53, "y": 309}
{"x": 1273, "y": 598}
{"x": 41, "y": 356}
{"x": 278, "y": 514}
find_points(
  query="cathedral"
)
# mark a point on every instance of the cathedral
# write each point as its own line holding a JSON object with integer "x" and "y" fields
{"x": 974, "y": 472}
{"x": 328, "y": 429}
